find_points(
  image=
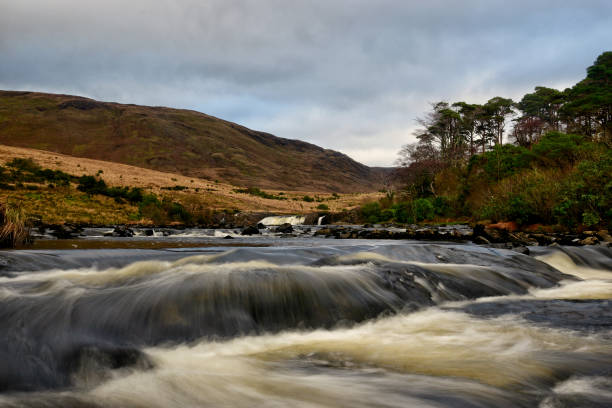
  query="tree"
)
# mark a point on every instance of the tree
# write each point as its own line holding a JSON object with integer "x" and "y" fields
{"x": 468, "y": 112}
{"x": 539, "y": 114}
{"x": 418, "y": 164}
{"x": 498, "y": 109}
{"x": 589, "y": 107}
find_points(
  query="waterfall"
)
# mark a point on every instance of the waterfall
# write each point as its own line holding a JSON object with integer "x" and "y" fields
{"x": 283, "y": 219}
{"x": 320, "y": 220}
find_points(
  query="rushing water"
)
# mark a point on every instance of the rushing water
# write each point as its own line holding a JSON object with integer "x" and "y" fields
{"x": 307, "y": 323}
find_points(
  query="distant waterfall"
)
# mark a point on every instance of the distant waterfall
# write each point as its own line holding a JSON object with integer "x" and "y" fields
{"x": 320, "y": 220}
{"x": 283, "y": 219}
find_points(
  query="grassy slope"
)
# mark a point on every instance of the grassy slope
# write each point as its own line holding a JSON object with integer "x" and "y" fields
{"x": 177, "y": 141}
{"x": 60, "y": 204}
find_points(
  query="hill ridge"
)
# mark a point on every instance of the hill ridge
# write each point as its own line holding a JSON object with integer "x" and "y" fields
{"x": 175, "y": 140}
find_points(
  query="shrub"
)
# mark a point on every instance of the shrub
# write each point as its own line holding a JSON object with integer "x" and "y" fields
{"x": 260, "y": 193}
{"x": 423, "y": 209}
{"x": 501, "y": 162}
{"x": 323, "y": 207}
{"x": 371, "y": 212}
{"x": 586, "y": 195}
{"x": 403, "y": 212}
{"x": 92, "y": 185}
{"x": 308, "y": 199}
{"x": 387, "y": 214}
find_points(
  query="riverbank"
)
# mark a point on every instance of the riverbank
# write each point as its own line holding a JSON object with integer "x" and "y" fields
{"x": 148, "y": 236}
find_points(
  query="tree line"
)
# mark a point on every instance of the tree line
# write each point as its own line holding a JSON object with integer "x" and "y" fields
{"x": 451, "y": 133}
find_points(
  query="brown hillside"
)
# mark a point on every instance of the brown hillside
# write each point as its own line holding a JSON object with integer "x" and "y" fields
{"x": 176, "y": 141}
{"x": 215, "y": 196}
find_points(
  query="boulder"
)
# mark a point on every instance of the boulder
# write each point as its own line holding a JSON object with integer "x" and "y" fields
{"x": 65, "y": 231}
{"x": 480, "y": 240}
{"x": 604, "y": 236}
{"x": 285, "y": 228}
{"x": 250, "y": 230}
{"x": 521, "y": 239}
{"x": 521, "y": 250}
{"x": 323, "y": 231}
{"x": 589, "y": 241}
{"x": 122, "y": 231}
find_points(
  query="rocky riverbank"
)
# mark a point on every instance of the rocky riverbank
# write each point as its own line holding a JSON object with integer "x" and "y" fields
{"x": 479, "y": 234}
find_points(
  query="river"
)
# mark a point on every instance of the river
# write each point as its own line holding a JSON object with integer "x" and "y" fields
{"x": 303, "y": 322}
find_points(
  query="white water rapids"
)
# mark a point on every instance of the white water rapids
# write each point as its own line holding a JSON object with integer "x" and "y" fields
{"x": 403, "y": 325}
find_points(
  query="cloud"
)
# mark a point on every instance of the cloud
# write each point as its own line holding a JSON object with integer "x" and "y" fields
{"x": 349, "y": 75}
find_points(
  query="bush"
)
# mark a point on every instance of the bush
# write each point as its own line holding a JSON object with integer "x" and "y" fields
{"x": 92, "y": 185}
{"x": 423, "y": 209}
{"x": 403, "y": 212}
{"x": 501, "y": 162}
{"x": 308, "y": 199}
{"x": 323, "y": 207}
{"x": 386, "y": 215}
{"x": 371, "y": 212}
{"x": 586, "y": 195}
{"x": 260, "y": 193}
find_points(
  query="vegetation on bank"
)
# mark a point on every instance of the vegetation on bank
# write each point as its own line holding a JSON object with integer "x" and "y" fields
{"x": 14, "y": 230}
{"x": 557, "y": 171}
{"x": 260, "y": 193}
{"x": 58, "y": 196}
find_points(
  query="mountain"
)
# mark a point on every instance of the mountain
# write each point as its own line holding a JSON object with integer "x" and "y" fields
{"x": 177, "y": 141}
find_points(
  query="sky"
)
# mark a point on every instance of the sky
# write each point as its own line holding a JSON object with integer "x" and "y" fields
{"x": 349, "y": 75}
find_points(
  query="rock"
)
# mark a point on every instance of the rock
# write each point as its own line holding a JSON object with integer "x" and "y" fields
{"x": 589, "y": 241}
{"x": 250, "y": 230}
{"x": 521, "y": 250}
{"x": 66, "y": 231}
{"x": 543, "y": 239}
{"x": 480, "y": 240}
{"x": 496, "y": 235}
{"x": 604, "y": 236}
{"x": 478, "y": 230}
{"x": 228, "y": 237}
{"x": 149, "y": 232}
{"x": 521, "y": 239}
{"x": 260, "y": 226}
{"x": 323, "y": 231}
{"x": 122, "y": 231}
{"x": 456, "y": 234}
{"x": 285, "y": 228}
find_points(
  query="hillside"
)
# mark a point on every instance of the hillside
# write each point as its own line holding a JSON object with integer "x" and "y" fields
{"x": 176, "y": 141}
{"x": 53, "y": 202}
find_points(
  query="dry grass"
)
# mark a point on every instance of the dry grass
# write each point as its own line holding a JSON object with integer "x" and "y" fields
{"x": 59, "y": 205}
{"x": 13, "y": 228}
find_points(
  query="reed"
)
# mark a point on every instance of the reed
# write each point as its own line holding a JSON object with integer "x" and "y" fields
{"x": 14, "y": 230}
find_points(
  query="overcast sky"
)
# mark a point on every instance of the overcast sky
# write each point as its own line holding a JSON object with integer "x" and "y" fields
{"x": 347, "y": 75}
